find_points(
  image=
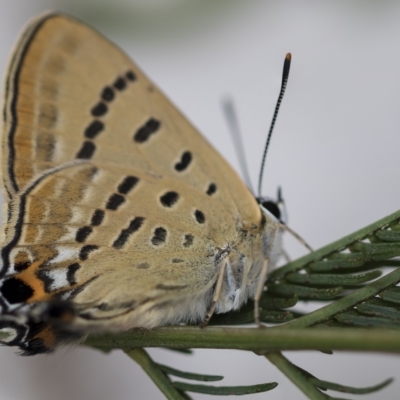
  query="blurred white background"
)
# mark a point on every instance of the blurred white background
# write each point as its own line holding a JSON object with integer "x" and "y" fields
{"x": 335, "y": 150}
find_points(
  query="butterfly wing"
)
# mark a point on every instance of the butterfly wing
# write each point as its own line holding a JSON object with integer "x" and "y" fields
{"x": 115, "y": 202}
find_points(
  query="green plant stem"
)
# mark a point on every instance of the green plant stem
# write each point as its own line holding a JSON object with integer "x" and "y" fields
{"x": 254, "y": 339}
{"x": 295, "y": 375}
{"x": 345, "y": 303}
{"x": 331, "y": 248}
{"x": 155, "y": 373}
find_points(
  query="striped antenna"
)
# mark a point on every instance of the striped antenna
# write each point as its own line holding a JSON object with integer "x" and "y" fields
{"x": 285, "y": 77}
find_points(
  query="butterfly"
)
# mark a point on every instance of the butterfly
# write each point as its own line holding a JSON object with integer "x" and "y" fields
{"x": 119, "y": 213}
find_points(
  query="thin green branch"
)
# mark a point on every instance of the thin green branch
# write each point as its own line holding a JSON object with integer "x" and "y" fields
{"x": 155, "y": 373}
{"x": 295, "y": 375}
{"x": 254, "y": 339}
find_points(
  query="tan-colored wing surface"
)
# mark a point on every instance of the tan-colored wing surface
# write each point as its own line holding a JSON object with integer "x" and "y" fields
{"x": 72, "y": 94}
{"x": 116, "y": 203}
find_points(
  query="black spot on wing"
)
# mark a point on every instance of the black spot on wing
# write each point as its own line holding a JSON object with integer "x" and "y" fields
{"x": 133, "y": 227}
{"x": 120, "y": 83}
{"x": 200, "y": 218}
{"x": 188, "y": 240}
{"x": 87, "y": 150}
{"x": 71, "y": 270}
{"x": 99, "y": 109}
{"x": 94, "y": 129}
{"x": 131, "y": 76}
{"x": 83, "y": 233}
{"x": 145, "y": 131}
{"x": 97, "y": 217}
{"x": 169, "y": 199}
{"x": 185, "y": 161}
{"x": 160, "y": 236}
{"x": 127, "y": 184}
{"x": 107, "y": 94}
{"x": 86, "y": 250}
{"x": 212, "y": 188}
{"x": 115, "y": 201}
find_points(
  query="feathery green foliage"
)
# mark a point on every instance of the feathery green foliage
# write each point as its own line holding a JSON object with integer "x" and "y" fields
{"x": 360, "y": 311}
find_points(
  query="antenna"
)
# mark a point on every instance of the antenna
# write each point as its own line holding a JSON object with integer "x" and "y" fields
{"x": 233, "y": 125}
{"x": 285, "y": 77}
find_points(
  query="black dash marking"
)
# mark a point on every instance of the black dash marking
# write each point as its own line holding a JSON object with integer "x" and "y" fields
{"x": 120, "y": 83}
{"x": 160, "y": 235}
{"x": 114, "y": 201}
{"x": 177, "y": 260}
{"x": 99, "y": 109}
{"x": 107, "y": 94}
{"x": 83, "y": 233}
{"x": 169, "y": 199}
{"x": 97, "y": 217}
{"x": 131, "y": 76}
{"x": 188, "y": 240}
{"x": 15, "y": 290}
{"x": 186, "y": 158}
{"x": 212, "y": 188}
{"x": 170, "y": 287}
{"x": 144, "y": 265}
{"x": 134, "y": 226}
{"x": 127, "y": 184}
{"x": 200, "y": 218}
{"x": 20, "y": 266}
{"x": 42, "y": 274}
{"x": 144, "y": 132}
{"x": 71, "y": 273}
{"x": 85, "y": 250}
{"x": 87, "y": 150}
{"x": 94, "y": 129}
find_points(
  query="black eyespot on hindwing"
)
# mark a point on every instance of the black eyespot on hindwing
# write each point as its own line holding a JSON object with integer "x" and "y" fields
{"x": 16, "y": 290}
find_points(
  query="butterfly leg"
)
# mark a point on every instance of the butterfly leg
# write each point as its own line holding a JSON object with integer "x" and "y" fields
{"x": 217, "y": 294}
{"x": 259, "y": 291}
{"x": 297, "y": 236}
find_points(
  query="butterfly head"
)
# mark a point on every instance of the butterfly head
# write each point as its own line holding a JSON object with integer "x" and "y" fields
{"x": 275, "y": 208}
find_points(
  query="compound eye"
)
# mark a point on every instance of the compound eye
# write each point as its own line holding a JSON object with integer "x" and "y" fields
{"x": 273, "y": 208}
